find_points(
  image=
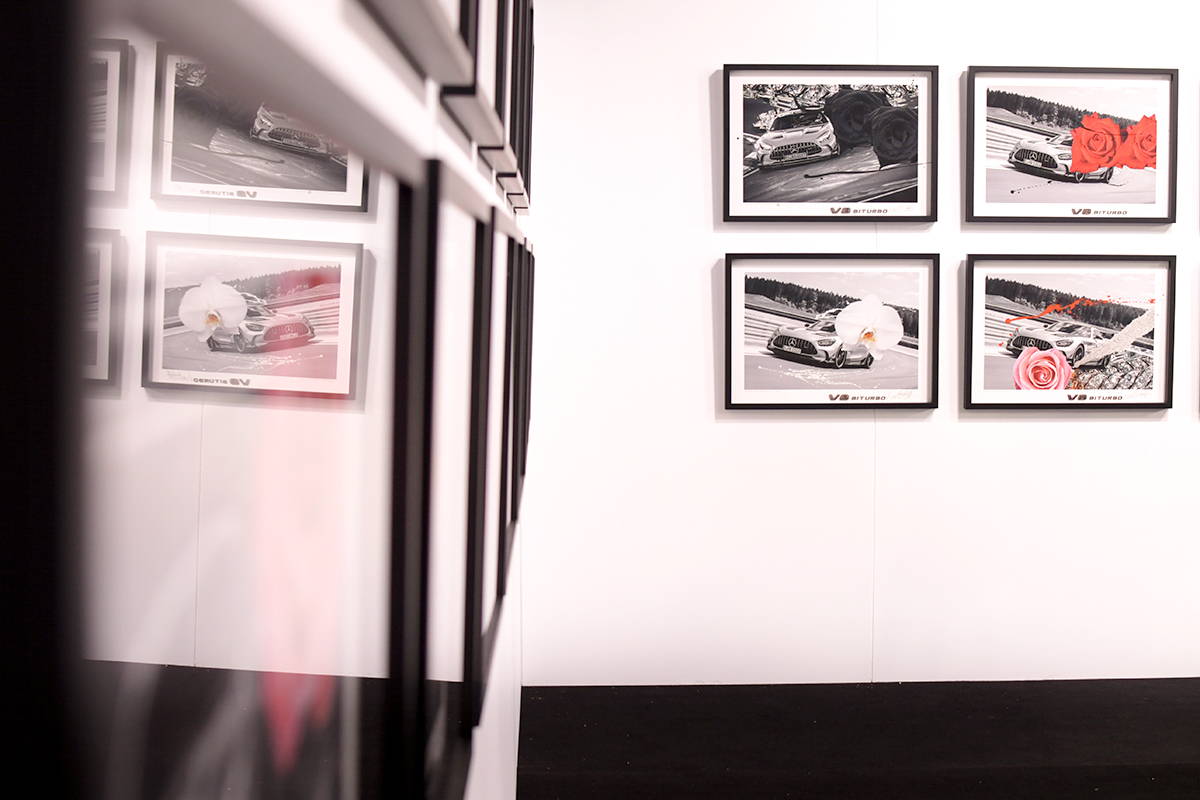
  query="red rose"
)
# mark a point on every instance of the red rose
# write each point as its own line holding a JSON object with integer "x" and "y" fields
{"x": 1139, "y": 150}
{"x": 1095, "y": 144}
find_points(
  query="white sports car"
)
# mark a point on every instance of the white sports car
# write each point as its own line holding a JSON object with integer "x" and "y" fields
{"x": 818, "y": 342}
{"x": 1052, "y": 157}
{"x": 796, "y": 137}
{"x": 1074, "y": 339}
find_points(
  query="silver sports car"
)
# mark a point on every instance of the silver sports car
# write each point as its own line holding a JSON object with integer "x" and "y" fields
{"x": 1074, "y": 339}
{"x": 796, "y": 137}
{"x": 818, "y": 341}
{"x": 1052, "y": 157}
{"x": 263, "y": 329}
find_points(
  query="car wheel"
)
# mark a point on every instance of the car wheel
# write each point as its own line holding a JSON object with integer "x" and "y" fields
{"x": 212, "y": 344}
{"x": 1079, "y": 176}
{"x": 239, "y": 343}
{"x": 1076, "y": 357}
{"x": 839, "y": 360}
{"x": 1104, "y": 362}
{"x": 1108, "y": 173}
{"x": 868, "y": 361}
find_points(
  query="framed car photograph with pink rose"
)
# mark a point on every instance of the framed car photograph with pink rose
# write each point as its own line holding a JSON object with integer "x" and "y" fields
{"x": 833, "y": 143}
{"x": 831, "y": 330}
{"x": 1058, "y": 144}
{"x": 1067, "y": 331}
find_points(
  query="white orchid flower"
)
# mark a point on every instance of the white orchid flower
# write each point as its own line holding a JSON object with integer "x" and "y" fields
{"x": 868, "y": 322}
{"x": 211, "y": 305}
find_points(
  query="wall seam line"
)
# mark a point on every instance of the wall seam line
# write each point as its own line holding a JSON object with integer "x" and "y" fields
{"x": 874, "y": 525}
{"x": 196, "y": 562}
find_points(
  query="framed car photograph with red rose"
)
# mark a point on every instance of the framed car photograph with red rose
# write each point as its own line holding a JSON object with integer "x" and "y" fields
{"x": 830, "y": 143}
{"x": 1051, "y": 144}
{"x": 1069, "y": 331}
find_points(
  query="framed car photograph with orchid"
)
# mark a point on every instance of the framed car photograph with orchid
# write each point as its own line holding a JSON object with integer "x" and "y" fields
{"x": 251, "y": 315}
{"x": 1066, "y": 331}
{"x": 1058, "y": 144}
{"x": 840, "y": 143}
{"x": 833, "y": 330}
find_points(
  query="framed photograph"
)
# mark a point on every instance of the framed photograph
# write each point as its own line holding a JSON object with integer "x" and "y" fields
{"x": 1069, "y": 331}
{"x": 833, "y": 330}
{"x": 434, "y": 35}
{"x": 101, "y": 317}
{"x": 214, "y": 143}
{"x": 251, "y": 315}
{"x": 842, "y": 143}
{"x": 109, "y": 97}
{"x": 1057, "y": 144}
{"x": 476, "y": 105}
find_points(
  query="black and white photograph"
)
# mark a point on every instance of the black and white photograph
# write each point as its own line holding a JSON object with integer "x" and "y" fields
{"x": 107, "y": 86}
{"x": 838, "y": 143}
{"x": 251, "y": 314}
{"x": 1084, "y": 145}
{"x": 1070, "y": 331}
{"x": 99, "y": 349}
{"x": 833, "y": 330}
{"x": 215, "y": 141}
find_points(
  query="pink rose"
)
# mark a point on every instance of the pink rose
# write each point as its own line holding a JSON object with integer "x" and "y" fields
{"x": 1041, "y": 369}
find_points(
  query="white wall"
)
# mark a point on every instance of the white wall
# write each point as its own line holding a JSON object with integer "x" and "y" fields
{"x": 192, "y": 562}
{"x": 194, "y": 558}
{"x": 668, "y": 541}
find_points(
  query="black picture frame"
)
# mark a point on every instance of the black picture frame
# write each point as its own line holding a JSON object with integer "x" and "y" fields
{"x": 477, "y": 114}
{"x": 476, "y": 647}
{"x": 522, "y": 351}
{"x": 437, "y": 46}
{"x": 223, "y": 107}
{"x": 839, "y": 397}
{"x": 840, "y": 210}
{"x": 1082, "y": 398}
{"x": 507, "y": 520}
{"x": 1074, "y": 212}
{"x": 511, "y": 159}
{"x": 251, "y": 383}
{"x": 109, "y": 308}
{"x": 112, "y": 186}
{"x": 432, "y": 743}
{"x": 513, "y": 444}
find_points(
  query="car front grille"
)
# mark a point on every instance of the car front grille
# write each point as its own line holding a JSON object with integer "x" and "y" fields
{"x": 1026, "y": 341}
{"x": 1024, "y": 155}
{"x": 279, "y": 331}
{"x": 293, "y": 136}
{"x": 800, "y": 148}
{"x": 803, "y": 345}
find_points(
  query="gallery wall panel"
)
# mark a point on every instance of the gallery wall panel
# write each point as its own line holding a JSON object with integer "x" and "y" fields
{"x": 949, "y": 575}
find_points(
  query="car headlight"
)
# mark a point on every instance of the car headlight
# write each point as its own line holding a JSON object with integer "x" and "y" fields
{"x": 1063, "y": 343}
{"x": 253, "y": 326}
{"x": 826, "y": 342}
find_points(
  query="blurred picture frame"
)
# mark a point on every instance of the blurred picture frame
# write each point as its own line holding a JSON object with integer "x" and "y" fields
{"x": 252, "y": 316}
{"x": 214, "y": 141}
{"x": 109, "y": 88}
{"x": 102, "y": 318}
